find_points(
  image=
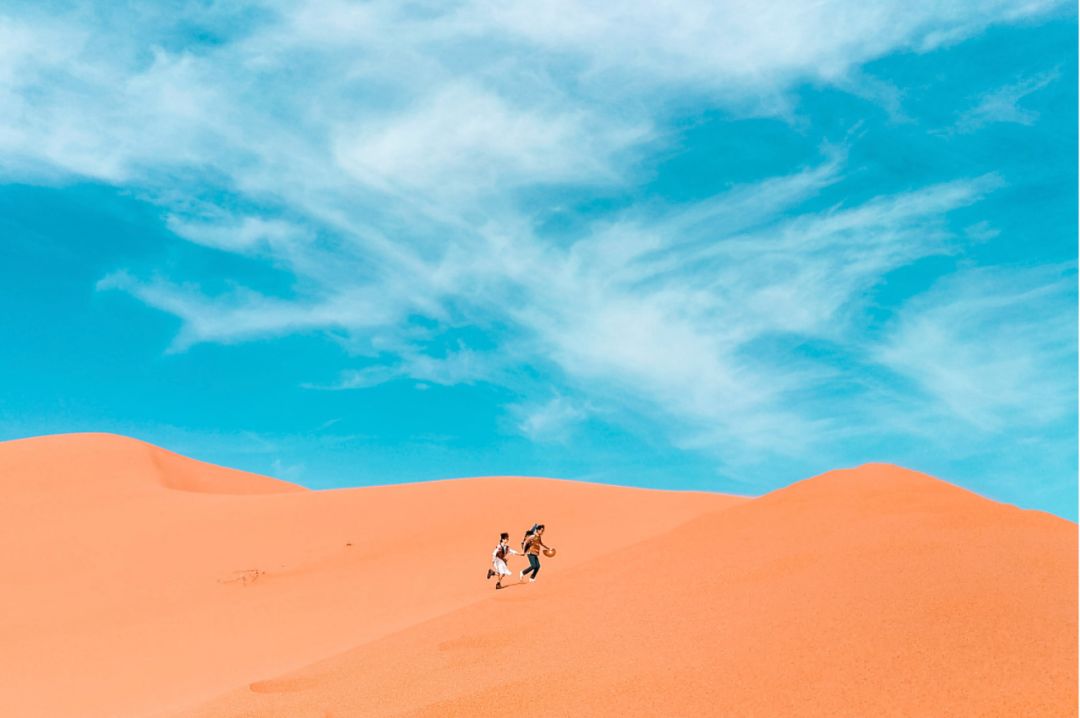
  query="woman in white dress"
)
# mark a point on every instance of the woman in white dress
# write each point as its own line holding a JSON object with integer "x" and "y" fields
{"x": 498, "y": 560}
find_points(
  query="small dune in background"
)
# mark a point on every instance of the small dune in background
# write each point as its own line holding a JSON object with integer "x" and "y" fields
{"x": 142, "y": 583}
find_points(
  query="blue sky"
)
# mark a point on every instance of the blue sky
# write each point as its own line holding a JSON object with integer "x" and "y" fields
{"x": 707, "y": 246}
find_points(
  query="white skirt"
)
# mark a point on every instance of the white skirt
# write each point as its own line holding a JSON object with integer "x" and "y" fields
{"x": 501, "y": 567}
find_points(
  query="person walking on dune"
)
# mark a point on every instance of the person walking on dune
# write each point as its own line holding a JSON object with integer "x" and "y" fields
{"x": 498, "y": 560}
{"x": 531, "y": 545}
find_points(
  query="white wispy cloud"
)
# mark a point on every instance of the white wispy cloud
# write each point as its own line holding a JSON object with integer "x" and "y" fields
{"x": 750, "y": 51}
{"x": 1003, "y": 104}
{"x": 460, "y": 366}
{"x": 988, "y": 345}
{"x": 387, "y": 156}
{"x": 323, "y": 88}
{"x": 243, "y": 314}
{"x": 464, "y": 132}
{"x": 243, "y": 235}
{"x": 551, "y": 420}
{"x": 670, "y": 326}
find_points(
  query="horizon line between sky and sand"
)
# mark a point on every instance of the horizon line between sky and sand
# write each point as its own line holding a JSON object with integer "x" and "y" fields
{"x": 857, "y": 468}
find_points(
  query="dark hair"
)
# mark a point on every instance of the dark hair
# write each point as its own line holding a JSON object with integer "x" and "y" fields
{"x": 504, "y": 536}
{"x": 530, "y": 532}
{"x": 527, "y": 535}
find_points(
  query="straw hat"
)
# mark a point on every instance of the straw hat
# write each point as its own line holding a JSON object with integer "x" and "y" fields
{"x": 549, "y": 552}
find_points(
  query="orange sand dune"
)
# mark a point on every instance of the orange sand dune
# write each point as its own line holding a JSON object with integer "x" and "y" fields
{"x": 870, "y": 592}
{"x": 138, "y": 582}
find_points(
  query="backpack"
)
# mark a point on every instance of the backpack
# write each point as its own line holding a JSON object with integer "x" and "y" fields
{"x": 528, "y": 535}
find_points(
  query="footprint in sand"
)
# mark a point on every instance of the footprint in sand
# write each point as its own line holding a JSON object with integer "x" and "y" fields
{"x": 244, "y": 577}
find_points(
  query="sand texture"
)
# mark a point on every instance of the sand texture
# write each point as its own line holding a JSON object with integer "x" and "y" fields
{"x": 141, "y": 583}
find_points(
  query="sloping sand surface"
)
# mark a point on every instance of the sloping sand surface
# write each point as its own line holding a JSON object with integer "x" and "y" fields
{"x": 138, "y": 582}
{"x": 870, "y": 592}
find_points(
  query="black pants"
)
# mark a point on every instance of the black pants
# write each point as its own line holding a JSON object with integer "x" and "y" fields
{"x": 534, "y": 566}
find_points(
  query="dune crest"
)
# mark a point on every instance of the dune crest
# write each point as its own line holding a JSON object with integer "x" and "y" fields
{"x": 115, "y": 462}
